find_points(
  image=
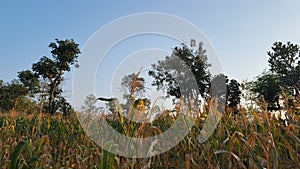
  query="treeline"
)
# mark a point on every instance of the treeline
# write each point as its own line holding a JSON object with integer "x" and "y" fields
{"x": 186, "y": 73}
{"x": 282, "y": 79}
{"x": 277, "y": 87}
{"x": 39, "y": 89}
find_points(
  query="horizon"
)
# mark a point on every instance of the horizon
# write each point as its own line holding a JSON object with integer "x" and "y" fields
{"x": 240, "y": 34}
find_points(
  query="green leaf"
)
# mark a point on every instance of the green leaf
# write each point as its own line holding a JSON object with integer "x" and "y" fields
{"x": 16, "y": 153}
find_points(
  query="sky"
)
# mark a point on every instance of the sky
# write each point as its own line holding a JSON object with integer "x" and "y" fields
{"x": 241, "y": 32}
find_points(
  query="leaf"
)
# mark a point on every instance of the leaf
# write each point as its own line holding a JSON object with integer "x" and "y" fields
{"x": 237, "y": 158}
{"x": 108, "y": 157}
{"x": 291, "y": 134}
{"x": 16, "y": 153}
{"x": 252, "y": 153}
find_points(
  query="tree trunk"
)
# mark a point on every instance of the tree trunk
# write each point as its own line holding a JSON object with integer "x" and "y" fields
{"x": 51, "y": 99}
{"x": 53, "y": 87}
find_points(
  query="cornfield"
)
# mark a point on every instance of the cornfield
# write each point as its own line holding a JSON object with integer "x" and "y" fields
{"x": 249, "y": 138}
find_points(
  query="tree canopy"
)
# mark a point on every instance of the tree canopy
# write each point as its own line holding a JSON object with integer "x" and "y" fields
{"x": 64, "y": 55}
{"x": 43, "y": 81}
{"x": 232, "y": 96}
{"x": 284, "y": 61}
{"x": 283, "y": 74}
{"x": 267, "y": 86}
{"x": 184, "y": 73}
{"x": 185, "y": 65}
{"x": 233, "y": 93}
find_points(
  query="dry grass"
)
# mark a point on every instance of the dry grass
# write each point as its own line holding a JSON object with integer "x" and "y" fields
{"x": 250, "y": 139}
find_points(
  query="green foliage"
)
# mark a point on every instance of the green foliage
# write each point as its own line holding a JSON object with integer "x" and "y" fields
{"x": 29, "y": 84}
{"x": 227, "y": 91}
{"x": 15, "y": 155}
{"x": 30, "y": 81}
{"x": 46, "y": 68}
{"x": 284, "y": 75}
{"x": 218, "y": 88}
{"x": 128, "y": 83}
{"x": 61, "y": 105}
{"x": 219, "y": 81}
{"x": 108, "y": 158}
{"x": 10, "y": 95}
{"x": 171, "y": 73}
{"x": 233, "y": 94}
{"x": 284, "y": 61}
{"x": 267, "y": 86}
{"x": 65, "y": 54}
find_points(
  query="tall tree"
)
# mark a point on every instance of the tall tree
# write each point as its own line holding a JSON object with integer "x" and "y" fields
{"x": 217, "y": 86}
{"x": 284, "y": 61}
{"x": 233, "y": 94}
{"x": 175, "y": 73}
{"x": 64, "y": 55}
{"x": 267, "y": 86}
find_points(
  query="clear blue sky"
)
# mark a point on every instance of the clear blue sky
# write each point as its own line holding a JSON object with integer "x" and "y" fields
{"x": 241, "y": 31}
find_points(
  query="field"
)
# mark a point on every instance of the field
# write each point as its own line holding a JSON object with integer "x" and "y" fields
{"x": 248, "y": 139}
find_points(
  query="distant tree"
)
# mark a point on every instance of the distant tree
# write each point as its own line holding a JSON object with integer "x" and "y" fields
{"x": 64, "y": 54}
{"x": 218, "y": 90}
{"x": 133, "y": 89}
{"x": 132, "y": 86}
{"x": 10, "y": 95}
{"x": 219, "y": 87}
{"x": 90, "y": 104}
{"x": 284, "y": 61}
{"x": 233, "y": 94}
{"x": 5, "y": 102}
{"x": 172, "y": 72}
{"x": 226, "y": 91}
{"x": 267, "y": 86}
{"x": 30, "y": 81}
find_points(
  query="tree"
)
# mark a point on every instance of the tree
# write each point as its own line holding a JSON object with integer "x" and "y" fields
{"x": 267, "y": 86}
{"x": 90, "y": 105}
{"x": 176, "y": 73}
{"x": 30, "y": 81}
{"x": 132, "y": 86}
{"x": 133, "y": 89}
{"x": 229, "y": 95}
{"x": 61, "y": 105}
{"x": 14, "y": 95}
{"x": 233, "y": 94}
{"x": 64, "y": 55}
{"x": 218, "y": 82}
{"x": 10, "y": 94}
{"x": 284, "y": 61}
